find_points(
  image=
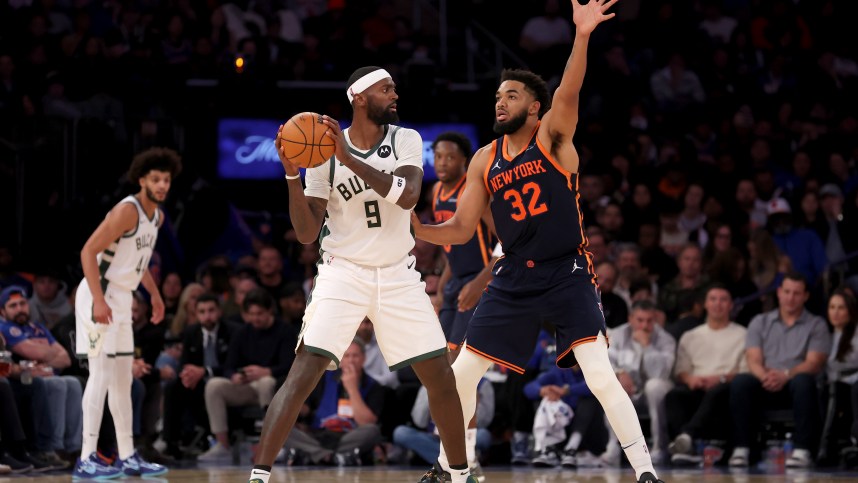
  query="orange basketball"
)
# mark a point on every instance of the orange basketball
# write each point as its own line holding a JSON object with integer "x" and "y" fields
{"x": 304, "y": 141}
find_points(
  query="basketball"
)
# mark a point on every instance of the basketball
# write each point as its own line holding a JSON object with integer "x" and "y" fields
{"x": 304, "y": 141}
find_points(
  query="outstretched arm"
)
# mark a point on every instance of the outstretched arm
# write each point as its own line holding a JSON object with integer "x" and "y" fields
{"x": 460, "y": 228}
{"x": 562, "y": 119}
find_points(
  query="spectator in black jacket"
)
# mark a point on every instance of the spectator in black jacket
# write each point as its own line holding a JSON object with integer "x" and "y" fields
{"x": 205, "y": 347}
{"x": 260, "y": 352}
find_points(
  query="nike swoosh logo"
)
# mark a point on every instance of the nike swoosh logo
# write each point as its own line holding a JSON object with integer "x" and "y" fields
{"x": 258, "y": 472}
{"x": 411, "y": 264}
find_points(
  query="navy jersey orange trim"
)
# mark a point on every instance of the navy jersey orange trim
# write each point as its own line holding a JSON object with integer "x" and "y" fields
{"x": 535, "y": 203}
{"x": 497, "y": 361}
{"x": 472, "y": 256}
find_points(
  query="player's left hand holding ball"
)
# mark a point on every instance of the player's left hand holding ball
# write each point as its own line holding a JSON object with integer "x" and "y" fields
{"x": 288, "y": 165}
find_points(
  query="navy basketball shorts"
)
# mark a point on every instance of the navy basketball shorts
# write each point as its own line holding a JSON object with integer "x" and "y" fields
{"x": 453, "y": 322}
{"x": 522, "y": 297}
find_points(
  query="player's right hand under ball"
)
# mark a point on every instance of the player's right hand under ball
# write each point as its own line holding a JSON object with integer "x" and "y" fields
{"x": 288, "y": 165}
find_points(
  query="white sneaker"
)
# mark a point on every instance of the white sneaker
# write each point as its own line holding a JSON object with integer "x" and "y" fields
{"x": 5, "y": 469}
{"x": 800, "y": 458}
{"x": 739, "y": 458}
{"x": 216, "y": 453}
{"x": 586, "y": 459}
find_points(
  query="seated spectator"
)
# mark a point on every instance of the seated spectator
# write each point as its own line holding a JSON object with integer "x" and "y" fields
{"x": 691, "y": 279}
{"x": 707, "y": 359}
{"x": 242, "y": 287}
{"x": 374, "y": 364}
{"x": 803, "y": 247}
{"x": 566, "y": 405}
{"x": 292, "y": 302}
{"x": 148, "y": 343}
{"x": 785, "y": 350}
{"x": 205, "y": 347}
{"x": 49, "y": 302}
{"x": 842, "y": 371}
{"x": 422, "y": 438}
{"x": 56, "y": 400}
{"x": 171, "y": 291}
{"x": 185, "y": 315}
{"x": 260, "y": 352}
{"x": 269, "y": 268}
{"x": 675, "y": 87}
{"x": 642, "y": 355}
{"x": 630, "y": 271}
{"x": 167, "y": 363}
{"x": 613, "y": 306}
{"x": 691, "y": 307}
{"x": 12, "y": 437}
{"x": 343, "y": 410}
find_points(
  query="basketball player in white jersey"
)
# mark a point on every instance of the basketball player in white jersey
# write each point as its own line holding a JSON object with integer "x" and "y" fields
{"x": 115, "y": 261}
{"x": 367, "y": 190}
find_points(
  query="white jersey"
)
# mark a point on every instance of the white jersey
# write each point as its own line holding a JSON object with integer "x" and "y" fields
{"x": 126, "y": 259}
{"x": 361, "y": 225}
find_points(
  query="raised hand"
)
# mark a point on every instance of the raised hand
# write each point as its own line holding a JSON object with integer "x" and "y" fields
{"x": 587, "y": 17}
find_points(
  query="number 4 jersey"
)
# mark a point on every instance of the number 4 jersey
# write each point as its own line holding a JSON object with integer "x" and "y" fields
{"x": 361, "y": 226}
{"x": 126, "y": 259}
{"x": 534, "y": 203}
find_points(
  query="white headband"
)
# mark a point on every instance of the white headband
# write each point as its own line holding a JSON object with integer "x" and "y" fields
{"x": 365, "y": 82}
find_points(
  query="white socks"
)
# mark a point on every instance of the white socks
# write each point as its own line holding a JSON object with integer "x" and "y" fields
{"x": 593, "y": 359}
{"x": 638, "y": 455}
{"x": 258, "y": 475}
{"x": 471, "y": 446}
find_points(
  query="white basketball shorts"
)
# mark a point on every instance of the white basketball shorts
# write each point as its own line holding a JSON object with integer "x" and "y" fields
{"x": 393, "y": 297}
{"x": 114, "y": 339}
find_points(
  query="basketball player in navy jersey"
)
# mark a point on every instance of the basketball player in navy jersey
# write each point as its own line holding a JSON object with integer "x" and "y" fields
{"x": 529, "y": 178}
{"x": 468, "y": 267}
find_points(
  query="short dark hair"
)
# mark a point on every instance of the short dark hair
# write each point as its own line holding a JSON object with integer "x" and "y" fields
{"x": 795, "y": 277}
{"x": 533, "y": 84}
{"x": 260, "y": 297}
{"x": 458, "y": 139}
{"x": 208, "y": 297}
{"x": 155, "y": 159}
{"x": 718, "y": 286}
{"x": 644, "y": 305}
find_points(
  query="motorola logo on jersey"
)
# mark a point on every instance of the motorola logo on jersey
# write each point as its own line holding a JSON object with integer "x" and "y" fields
{"x": 384, "y": 151}
{"x": 145, "y": 241}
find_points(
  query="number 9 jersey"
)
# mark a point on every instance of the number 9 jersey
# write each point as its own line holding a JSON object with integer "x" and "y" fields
{"x": 535, "y": 203}
{"x": 361, "y": 226}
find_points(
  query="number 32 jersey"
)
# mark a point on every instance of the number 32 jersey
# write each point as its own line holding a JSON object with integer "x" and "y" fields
{"x": 126, "y": 259}
{"x": 361, "y": 226}
{"x": 534, "y": 203}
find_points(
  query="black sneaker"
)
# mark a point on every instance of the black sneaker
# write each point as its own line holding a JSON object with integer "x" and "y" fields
{"x": 436, "y": 475}
{"x": 49, "y": 459}
{"x": 649, "y": 478}
{"x": 16, "y": 465}
{"x": 347, "y": 458}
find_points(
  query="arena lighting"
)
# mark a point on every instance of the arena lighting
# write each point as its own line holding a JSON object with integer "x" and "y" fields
{"x": 246, "y": 146}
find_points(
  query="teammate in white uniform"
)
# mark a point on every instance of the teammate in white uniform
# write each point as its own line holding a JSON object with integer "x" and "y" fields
{"x": 115, "y": 261}
{"x": 368, "y": 189}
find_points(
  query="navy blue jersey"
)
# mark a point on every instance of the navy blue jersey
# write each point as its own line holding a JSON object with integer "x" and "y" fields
{"x": 535, "y": 204}
{"x": 473, "y": 256}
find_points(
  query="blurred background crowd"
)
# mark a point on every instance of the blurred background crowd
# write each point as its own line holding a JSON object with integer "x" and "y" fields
{"x": 718, "y": 141}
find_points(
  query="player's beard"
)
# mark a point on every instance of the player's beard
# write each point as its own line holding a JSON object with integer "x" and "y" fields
{"x": 152, "y": 197}
{"x": 511, "y": 125}
{"x": 382, "y": 115}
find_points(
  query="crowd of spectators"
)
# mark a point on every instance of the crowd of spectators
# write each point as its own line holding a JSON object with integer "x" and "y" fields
{"x": 718, "y": 185}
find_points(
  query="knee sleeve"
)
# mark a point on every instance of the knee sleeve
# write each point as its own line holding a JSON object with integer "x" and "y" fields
{"x": 469, "y": 368}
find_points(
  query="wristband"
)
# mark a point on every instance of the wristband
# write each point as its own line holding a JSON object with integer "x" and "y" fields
{"x": 293, "y": 177}
{"x": 397, "y": 186}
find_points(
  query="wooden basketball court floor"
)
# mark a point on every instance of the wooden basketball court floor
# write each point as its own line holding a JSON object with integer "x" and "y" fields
{"x": 382, "y": 474}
